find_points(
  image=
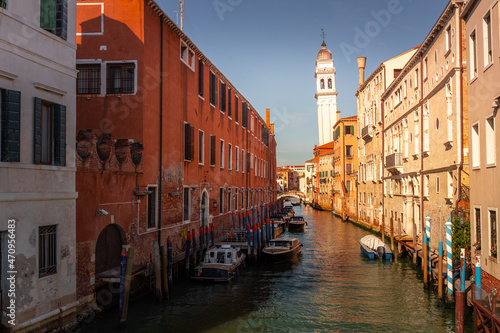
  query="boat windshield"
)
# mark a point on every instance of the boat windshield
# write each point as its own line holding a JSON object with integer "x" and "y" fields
{"x": 280, "y": 244}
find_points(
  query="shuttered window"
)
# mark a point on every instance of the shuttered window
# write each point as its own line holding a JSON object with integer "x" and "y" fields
{"x": 213, "y": 89}
{"x": 188, "y": 142}
{"x": 236, "y": 108}
{"x": 10, "y": 120}
{"x": 200, "y": 77}
{"x": 222, "y": 97}
{"x": 49, "y": 133}
{"x": 229, "y": 111}
{"x": 349, "y": 130}
{"x": 212, "y": 150}
{"x": 54, "y": 17}
{"x": 201, "y": 147}
{"x": 244, "y": 114}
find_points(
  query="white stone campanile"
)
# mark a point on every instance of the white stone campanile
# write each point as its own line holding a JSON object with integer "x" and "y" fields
{"x": 326, "y": 95}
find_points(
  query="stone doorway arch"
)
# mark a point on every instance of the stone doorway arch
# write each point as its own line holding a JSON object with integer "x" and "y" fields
{"x": 108, "y": 248}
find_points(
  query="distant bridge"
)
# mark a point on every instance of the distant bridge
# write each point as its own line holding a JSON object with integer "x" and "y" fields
{"x": 293, "y": 194}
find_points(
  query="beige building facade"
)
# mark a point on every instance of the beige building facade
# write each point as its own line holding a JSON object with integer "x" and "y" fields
{"x": 324, "y": 175}
{"x": 483, "y": 43}
{"x": 37, "y": 167}
{"x": 370, "y": 164}
{"x": 424, "y": 142}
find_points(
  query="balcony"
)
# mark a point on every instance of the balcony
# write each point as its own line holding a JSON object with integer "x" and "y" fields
{"x": 394, "y": 163}
{"x": 367, "y": 132}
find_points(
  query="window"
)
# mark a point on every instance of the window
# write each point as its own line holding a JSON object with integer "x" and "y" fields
{"x": 212, "y": 150}
{"x": 187, "y": 203}
{"x": 426, "y": 185}
{"x": 322, "y": 84}
{"x": 477, "y": 214}
{"x": 235, "y": 108}
{"x": 54, "y": 17}
{"x": 490, "y": 141}
{"x": 488, "y": 52}
{"x": 242, "y": 198}
{"x": 184, "y": 52}
{"x": 348, "y": 168}
{"x": 10, "y": 125}
{"x": 237, "y": 162}
{"x": 348, "y": 185}
{"x": 188, "y": 142}
{"x": 425, "y": 68}
{"x": 152, "y": 202}
{"x": 448, "y": 38}
{"x": 229, "y": 200}
{"x": 449, "y": 184}
{"x": 348, "y": 151}
{"x": 229, "y": 104}
{"x": 475, "y": 146}
{"x": 213, "y": 89}
{"x": 244, "y": 114}
{"x": 242, "y": 160}
{"x": 47, "y": 250}
{"x": 473, "y": 54}
{"x": 493, "y": 230}
{"x": 200, "y": 77}
{"x": 121, "y": 77}
{"x": 437, "y": 184}
{"x": 236, "y": 199}
{"x": 201, "y": 147}
{"x": 397, "y": 71}
{"x": 88, "y": 79}
{"x": 50, "y": 133}
{"x": 416, "y": 78}
{"x": 222, "y": 154}
{"x": 221, "y": 200}
{"x": 230, "y": 157}
{"x": 3, "y": 3}
{"x": 349, "y": 130}
{"x": 222, "y": 97}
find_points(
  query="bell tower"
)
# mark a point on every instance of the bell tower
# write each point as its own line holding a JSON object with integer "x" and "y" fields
{"x": 326, "y": 95}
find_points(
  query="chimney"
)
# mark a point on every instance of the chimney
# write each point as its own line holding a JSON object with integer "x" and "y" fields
{"x": 272, "y": 128}
{"x": 361, "y": 67}
{"x": 267, "y": 117}
{"x": 338, "y": 115}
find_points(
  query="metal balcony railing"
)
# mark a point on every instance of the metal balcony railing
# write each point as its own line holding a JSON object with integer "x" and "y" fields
{"x": 367, "y": 132}
{"x": 394, "y": 162}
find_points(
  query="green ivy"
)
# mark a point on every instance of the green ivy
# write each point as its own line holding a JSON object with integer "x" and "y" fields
{"x": 460, "y": 239}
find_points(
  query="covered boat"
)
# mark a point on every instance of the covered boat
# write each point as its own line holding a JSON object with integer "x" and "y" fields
{"x": 373, "y": 247}
{"x": 296, "y": 224}
{"x": 221, "y": 264}
{"x": 282, "y": 249}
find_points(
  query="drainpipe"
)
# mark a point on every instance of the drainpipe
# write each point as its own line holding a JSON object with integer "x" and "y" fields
{"x": 161, "y": 133}
{"x": 460, "y": 132}
{"x": 382, "y": 111}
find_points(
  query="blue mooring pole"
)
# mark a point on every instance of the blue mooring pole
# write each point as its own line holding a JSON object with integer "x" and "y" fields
{"x": 449, "y": 263}
{"x": 462, "y": 268}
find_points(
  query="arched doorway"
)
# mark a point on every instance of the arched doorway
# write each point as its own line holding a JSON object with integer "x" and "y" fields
{"x": 108, "y": 248}
{"x": 204, "y": 209}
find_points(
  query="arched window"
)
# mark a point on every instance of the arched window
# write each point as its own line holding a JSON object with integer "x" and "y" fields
{"x": 322, "y": 84}
{"x": 329, "y": 83}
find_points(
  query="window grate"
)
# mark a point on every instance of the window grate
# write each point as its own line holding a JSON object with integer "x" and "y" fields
{"x": 89, "y": 79}
{"x": 47, "y": 248}
{"x": 121, "y": 79}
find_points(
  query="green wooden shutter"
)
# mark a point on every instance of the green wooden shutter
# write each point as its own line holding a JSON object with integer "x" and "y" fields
{"x": 48, "y": 14}
{"x": 11, "y": 125}
{"x": 37, "y": 135}
{"x": 59, "y": 135}
{"x": 62, "y": 19}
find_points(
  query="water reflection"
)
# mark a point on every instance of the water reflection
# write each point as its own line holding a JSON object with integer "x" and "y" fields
{"x": 332, "y": 287}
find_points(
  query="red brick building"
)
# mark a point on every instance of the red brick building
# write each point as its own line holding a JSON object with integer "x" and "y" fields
{"x": 191, "y": 148}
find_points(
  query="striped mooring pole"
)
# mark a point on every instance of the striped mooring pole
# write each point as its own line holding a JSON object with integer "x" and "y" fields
{"x": 449, "y": 263}
{"x": 428, "y": 235}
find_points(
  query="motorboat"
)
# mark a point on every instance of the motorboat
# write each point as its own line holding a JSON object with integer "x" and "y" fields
{"x": 296, "y": 224}
{"x": 281, "y": 250}
{"x": 220, "y": 264}
{"x": 373, "y": 247}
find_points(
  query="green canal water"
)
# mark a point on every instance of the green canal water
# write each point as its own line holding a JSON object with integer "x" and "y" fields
{"x": 332, "y": 288}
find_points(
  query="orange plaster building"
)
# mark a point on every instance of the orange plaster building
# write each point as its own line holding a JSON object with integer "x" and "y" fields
{"x": 166, "y": 143}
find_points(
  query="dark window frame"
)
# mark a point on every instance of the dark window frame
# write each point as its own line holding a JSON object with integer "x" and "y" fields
{"x": 86, "y": 84}
{"x": 152, "y": 211}
{"x": 124, "y": 79}
{"x": 47, "y": 250}
{"x": 212, "y": 150}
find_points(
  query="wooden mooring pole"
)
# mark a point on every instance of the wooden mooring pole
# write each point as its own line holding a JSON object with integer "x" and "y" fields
{"x": 156, "y": 252}
{"x": 424, "y": 260}
{"x": 382, "y": 228}
{"x": 126, "y": 288}
{"x": 164, "y": 273}
{"x": 459, "y": 311}
{"x": 392, "y": 235}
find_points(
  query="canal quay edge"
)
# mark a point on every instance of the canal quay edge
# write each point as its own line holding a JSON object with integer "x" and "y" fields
{"x": 125, "y": 151}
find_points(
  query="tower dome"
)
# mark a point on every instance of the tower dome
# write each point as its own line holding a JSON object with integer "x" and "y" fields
{"x": 324, "y": 53}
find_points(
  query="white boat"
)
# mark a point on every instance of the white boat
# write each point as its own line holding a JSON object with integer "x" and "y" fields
{"x": 221, "y": 264}
{"x": 373, "y": 247}
{"x": 282, "y": 249}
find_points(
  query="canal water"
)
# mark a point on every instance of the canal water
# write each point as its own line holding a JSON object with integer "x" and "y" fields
{"x": 332, "y": 288}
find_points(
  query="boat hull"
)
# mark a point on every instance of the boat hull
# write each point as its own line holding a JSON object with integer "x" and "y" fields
{"x": 296, "y": 226}
{"x": 281, "y": 256}
{"x": 216, "y": 272}
{"x": 374, "y": 248}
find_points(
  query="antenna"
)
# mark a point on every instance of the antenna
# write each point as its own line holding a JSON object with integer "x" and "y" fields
{"x": 323, "y": 35}
{"x": 176, "y": 17}
{"x": 182, "y": 14}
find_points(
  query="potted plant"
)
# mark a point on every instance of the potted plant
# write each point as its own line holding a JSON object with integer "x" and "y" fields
{"x": 493, "y": 252}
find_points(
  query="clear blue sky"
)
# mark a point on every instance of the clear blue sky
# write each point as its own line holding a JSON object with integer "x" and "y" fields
{"x": 267, "y": 49}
